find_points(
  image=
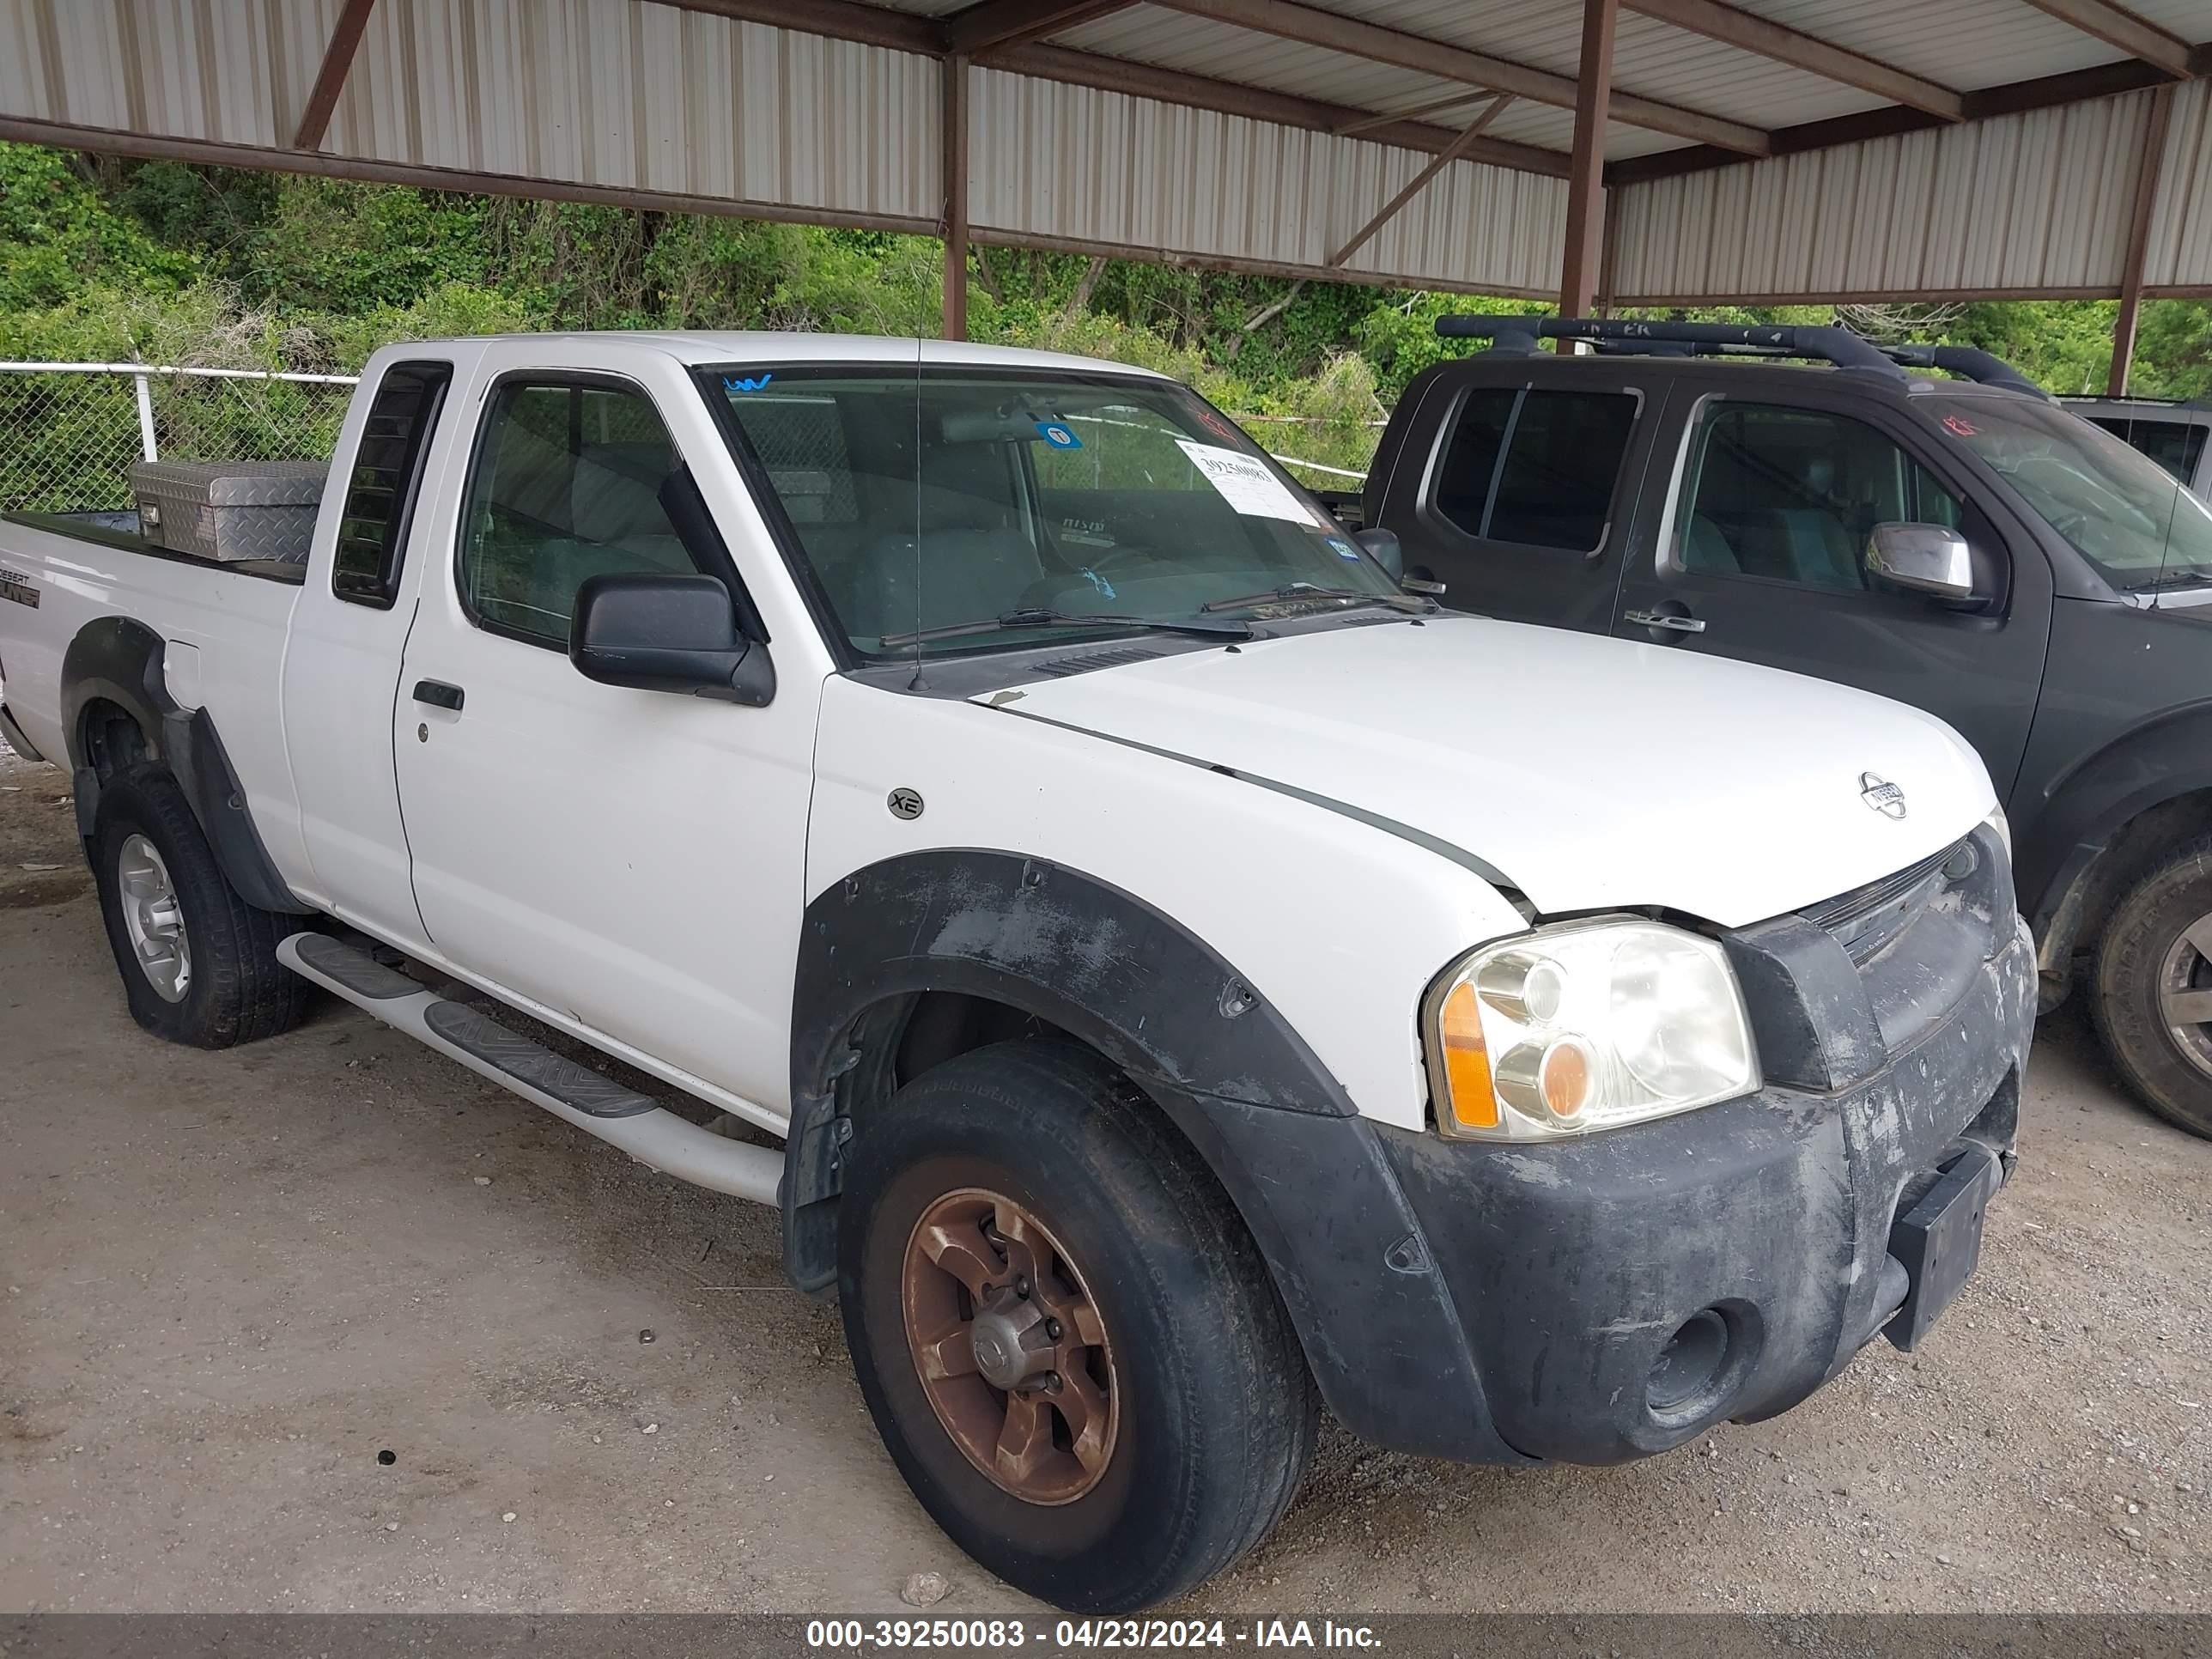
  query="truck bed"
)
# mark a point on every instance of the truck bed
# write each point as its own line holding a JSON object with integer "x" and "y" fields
{"x": 63, "y": 577}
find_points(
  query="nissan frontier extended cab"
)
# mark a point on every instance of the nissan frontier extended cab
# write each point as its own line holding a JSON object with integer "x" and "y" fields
{"x": 1190, "y": 978}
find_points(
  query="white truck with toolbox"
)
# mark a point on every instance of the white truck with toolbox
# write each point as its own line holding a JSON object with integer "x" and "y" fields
{"x": 1192, "y": 979}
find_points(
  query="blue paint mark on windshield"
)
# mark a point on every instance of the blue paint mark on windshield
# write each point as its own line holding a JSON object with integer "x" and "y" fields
{"x": 745, "y": 383}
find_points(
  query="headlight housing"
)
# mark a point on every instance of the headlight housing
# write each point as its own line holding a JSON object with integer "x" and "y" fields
{"x": 1998, "y": 822}
{"x": 1585, "y": 1026}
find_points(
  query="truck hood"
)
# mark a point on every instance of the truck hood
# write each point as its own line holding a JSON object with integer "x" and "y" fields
{"x": 1587, "y": 772}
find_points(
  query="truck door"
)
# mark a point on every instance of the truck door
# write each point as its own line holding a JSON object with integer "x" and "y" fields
{"x": 630, "y": 861}
{"x": 1760, "y": 554}
{"x": 343, "y": 656}
{"x": 1517, "y": 490}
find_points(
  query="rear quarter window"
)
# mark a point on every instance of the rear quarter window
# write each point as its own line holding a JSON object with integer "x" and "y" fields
{"x": 380, "y": 486}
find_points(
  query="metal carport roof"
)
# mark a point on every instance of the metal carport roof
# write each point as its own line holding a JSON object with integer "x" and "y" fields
{"x": 1764, "y": 151}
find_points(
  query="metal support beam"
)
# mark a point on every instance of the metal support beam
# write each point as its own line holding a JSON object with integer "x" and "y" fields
{"x": 330, "y": 80}
{"x": 1333, "y": 31}
{"x": 2123, "y": 30}
{"x": 994, "y": 25}
{"x": 1751, "y": 32}
{"x": 1083, "y": 69}
{"x": 1578, "y": 270}
{"x": 1443, "y": 159}
{"x": 2131, "y": 273}
{"x": 952, "y": 161}
{"x": 1352, "y": 129}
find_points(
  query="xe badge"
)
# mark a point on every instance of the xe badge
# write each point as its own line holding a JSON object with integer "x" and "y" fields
{"x": 1885, "y": 797}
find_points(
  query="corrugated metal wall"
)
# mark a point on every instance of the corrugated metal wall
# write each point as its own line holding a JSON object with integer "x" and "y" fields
{"x": 2180, "y": 251}
{"x": 607, "y": 93}
{"x": 1070, "y": 162}
{"x": 613, "y": 95}
{"x": 2027, "y": 202}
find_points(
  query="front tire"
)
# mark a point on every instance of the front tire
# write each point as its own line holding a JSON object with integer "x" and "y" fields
{"x": 198, "y": 962}
{"x": 1066, "y": 1335}
{"x": 2154, "y": 988}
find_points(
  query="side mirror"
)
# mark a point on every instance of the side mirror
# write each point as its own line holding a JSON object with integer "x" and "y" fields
{"x": 667, "y": 634}
{"x": 1922, "y": 558}
{"x": 1382, "y": 547}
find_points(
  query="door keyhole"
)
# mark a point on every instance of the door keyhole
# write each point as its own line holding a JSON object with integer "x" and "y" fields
{"x": 422, "y": 732}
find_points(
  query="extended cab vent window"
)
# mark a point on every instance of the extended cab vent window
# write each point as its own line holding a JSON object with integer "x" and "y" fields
{"x": 566, "y": 485}
{"x": 1535, "y": 468}
{"x": 380, "y": 488}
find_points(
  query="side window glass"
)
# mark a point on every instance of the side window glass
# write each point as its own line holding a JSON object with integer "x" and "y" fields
{"x": 381, "y": 485}
{"x": 1793, "y": 494}
{"x": 1469, "y": 471}
{"x": 2174, "y": 445}
{"x": 1536, "y": 468}
{"x": 566, "y": 485}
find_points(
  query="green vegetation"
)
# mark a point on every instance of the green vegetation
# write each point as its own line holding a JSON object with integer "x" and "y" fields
{"x": 110, "y": 260}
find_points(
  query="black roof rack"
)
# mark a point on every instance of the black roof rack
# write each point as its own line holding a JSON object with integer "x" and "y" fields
{"x": 1517, "y": 336}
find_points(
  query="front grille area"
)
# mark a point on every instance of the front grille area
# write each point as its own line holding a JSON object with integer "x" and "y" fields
{"x": 1869, "y": 920}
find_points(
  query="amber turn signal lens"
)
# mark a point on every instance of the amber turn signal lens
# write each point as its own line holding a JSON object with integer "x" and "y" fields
{"x": 1472, "y": 1102}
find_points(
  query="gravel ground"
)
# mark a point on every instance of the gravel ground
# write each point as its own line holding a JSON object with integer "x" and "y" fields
{"x": 233, "y": 1281}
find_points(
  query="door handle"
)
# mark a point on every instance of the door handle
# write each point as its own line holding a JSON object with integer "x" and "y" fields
{"x": 1662, "y": 619}
{"x": 439, "y": 695}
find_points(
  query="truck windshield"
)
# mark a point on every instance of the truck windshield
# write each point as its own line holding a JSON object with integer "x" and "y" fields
{"x": 2121, "y": 511}
{"x": 932, "y": 505}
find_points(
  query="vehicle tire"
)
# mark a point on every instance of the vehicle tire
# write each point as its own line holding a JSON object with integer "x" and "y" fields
{"x": 198, "y": 962}
{"x": 1165, "y": 1415}
{"x": 2154, "y": 985}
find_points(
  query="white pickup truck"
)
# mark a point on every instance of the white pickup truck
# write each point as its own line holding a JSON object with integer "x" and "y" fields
{"x": 1192, "y": 979}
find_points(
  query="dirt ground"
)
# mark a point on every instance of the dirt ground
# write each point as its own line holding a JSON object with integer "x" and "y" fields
{"x": 233, "y": 1282}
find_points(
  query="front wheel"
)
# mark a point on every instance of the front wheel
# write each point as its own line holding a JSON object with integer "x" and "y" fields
{"x": 198, "y": 962}
{"x": 1066, "y": 1335}
{"x": 2154, "y": 988}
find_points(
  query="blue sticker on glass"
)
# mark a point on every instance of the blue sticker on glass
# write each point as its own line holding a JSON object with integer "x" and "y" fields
{"x": 1058, "y": 435}
{"x": 1345, "y": 550}
{"x": 745, "y": 383}
{"x": 1105, "y": 587}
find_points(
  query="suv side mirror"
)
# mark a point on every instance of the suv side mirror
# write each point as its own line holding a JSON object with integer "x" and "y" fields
{"x": 1382, "y": 547}
{"x": 1922, "y": 558}
{"x": 667, "y": 633}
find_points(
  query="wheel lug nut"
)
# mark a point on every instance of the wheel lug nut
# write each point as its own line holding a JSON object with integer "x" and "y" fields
{"x": 1051, "y": 1329}
{"x": 1022, "y": 1286}
{"x": 1052, "y": 1381}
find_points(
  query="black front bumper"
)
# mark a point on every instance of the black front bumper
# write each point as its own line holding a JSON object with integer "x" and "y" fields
{"x": 1496, "y": 1302}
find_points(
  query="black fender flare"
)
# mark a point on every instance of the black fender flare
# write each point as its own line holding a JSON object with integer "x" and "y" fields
{"x": 1310, "y": 1174}
{"x": 2054, "y": 852}
{"x": 119, "y": 661}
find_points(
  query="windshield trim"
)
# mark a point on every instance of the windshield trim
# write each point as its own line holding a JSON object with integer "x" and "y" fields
{"x": 708, "y": 379}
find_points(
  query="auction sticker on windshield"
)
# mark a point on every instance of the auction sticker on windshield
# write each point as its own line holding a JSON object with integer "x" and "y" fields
{"x": 1245, "y": 484}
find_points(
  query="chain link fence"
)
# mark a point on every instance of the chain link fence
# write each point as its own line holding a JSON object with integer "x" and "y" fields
{"x": 72, "y": 430}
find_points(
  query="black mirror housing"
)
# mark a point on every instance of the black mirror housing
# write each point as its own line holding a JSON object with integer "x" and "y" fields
{"x": 1382, "y": 547}
{"x": 667, "y": 633}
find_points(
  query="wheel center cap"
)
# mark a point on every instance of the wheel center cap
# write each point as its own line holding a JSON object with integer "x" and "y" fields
{"x": 1001, "y": 1356}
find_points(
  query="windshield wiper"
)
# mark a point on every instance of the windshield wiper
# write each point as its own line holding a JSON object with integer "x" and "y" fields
{"x": 1037, "y": 615}
{"x": 1302, "y": 591}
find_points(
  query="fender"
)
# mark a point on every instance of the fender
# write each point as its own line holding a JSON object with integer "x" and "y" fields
{"x": 118, "y": 661}
{"x": 1277, "y": 1130}
{"x": 2167, "y": 756}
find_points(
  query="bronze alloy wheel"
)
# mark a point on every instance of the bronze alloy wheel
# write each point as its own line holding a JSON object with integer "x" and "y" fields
{"x": 1009, "y": 1347}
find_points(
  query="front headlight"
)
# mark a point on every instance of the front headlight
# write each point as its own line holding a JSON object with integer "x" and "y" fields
{"x": 1584, "y": 1026}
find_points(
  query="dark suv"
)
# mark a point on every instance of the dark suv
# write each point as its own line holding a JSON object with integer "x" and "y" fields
{"x": 1967, "y": 545}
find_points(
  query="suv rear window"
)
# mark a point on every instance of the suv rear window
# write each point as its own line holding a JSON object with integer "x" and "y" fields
{"x": 1535, "y": 468}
